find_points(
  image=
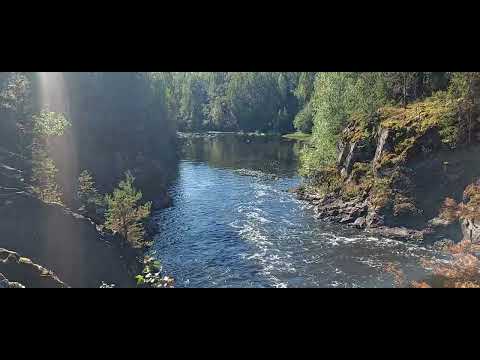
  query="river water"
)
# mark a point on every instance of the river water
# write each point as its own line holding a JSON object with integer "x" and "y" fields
{"x": 233, "y": 223}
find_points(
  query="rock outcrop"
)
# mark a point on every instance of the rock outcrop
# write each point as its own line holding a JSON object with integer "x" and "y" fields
{"x": 23, "y": 272}
{"x": 471, "y": 230}
{"x": 392, "y": 178}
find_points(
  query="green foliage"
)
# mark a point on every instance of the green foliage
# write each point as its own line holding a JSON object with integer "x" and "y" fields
{"x": 48, "y": 124}
{"x": 304, "y": 119}
{"x": 331, "y": 105}
{"x": 305, "y": 87}
{"x": 87, "y": 192}
{"x": 16, "y": 106}
{"x": 44, "y": 174}
{"x": 151, "y": 276}
{"x": 124, "y": 214}
{"x": 413, "y": 121}
{"x": 464, "y": 84}
{"x": 298, "y": 136}
{"x": 140, "y": 280}
{"x": 248, "y": 101}
{"x": 341, "y": 99}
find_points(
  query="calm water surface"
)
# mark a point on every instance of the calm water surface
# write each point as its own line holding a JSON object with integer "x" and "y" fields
{"x": 234, "y": 224}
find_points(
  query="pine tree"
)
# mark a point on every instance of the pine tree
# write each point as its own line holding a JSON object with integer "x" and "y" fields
{"x": 124, "y": 214}
{"x": 87, "y": 193}
{"x": 46, "y": 126}
{"x": 44, "y": 174}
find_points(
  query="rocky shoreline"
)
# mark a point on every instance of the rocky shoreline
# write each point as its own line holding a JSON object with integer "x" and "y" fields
{"x": 392, "y": 179}
{"x": 332, "y": 209}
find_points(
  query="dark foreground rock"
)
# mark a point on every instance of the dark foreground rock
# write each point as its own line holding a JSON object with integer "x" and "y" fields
{"x": 5, "y": 284}
{"x": 65, "y": 242}
{"x": 17, "y": 271}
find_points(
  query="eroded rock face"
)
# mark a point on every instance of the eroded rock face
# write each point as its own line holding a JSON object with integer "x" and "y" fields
{"x": 471, "y": 230}
{"x": 350, "y": 152}
{"x": 66, "y": 243}
{"x": 22, "y": 271}
{"x": 385, "y": 143}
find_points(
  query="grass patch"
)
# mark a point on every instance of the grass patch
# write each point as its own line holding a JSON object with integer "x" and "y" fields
{"x": 300, "y": 136}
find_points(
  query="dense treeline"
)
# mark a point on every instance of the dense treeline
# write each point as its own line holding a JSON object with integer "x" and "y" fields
{"x": 121, "y": 118}
{"x": 233, "y": 101}
{"x": 120, "y": 121}
{"x": 334, "y": 101}
{"x": 132, "y": 116}
{"x": 116, "y": 122}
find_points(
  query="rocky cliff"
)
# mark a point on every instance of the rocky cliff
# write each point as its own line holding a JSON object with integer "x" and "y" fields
{"x": 393, "y": 177}
{"x": 65, "y": 242}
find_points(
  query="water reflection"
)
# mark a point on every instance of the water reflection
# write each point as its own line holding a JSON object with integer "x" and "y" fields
{"x": 270, "y": 154}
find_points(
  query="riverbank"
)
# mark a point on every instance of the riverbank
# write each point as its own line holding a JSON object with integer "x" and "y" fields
{"x": 393, "y": 177}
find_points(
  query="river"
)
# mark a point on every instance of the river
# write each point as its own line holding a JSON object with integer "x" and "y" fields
{"x": 233, "y": 223}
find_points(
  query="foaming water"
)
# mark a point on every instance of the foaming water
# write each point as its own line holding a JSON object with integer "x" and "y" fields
{"x": 234, "y": 225}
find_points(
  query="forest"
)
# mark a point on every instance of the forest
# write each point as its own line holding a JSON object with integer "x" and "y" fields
{"x": 105, "y": 145}
{"x": 239, "y": 101}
